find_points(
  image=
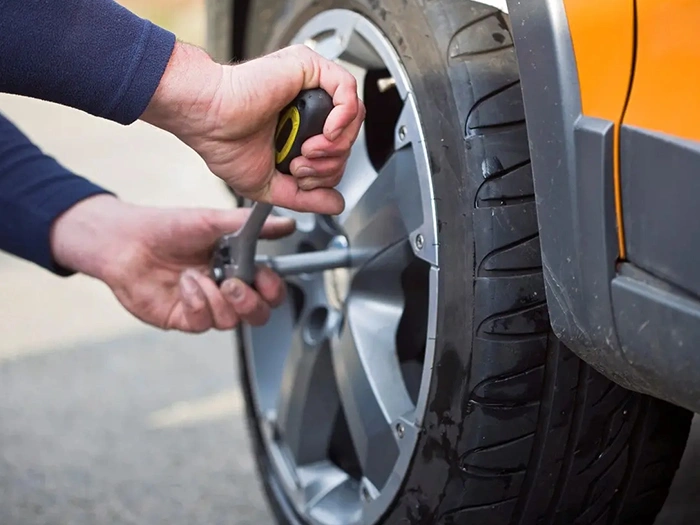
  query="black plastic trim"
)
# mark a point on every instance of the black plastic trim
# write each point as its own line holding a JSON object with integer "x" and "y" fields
{"x": 660, "y": 188}
{"x": 595, "y": 234}
{"x": 659, "y": 326}
{"x": 573, "y": 169}
{"x": 572, "y": 163}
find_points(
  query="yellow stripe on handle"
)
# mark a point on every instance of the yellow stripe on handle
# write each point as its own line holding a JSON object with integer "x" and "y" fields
{"x": 293, "y": 114}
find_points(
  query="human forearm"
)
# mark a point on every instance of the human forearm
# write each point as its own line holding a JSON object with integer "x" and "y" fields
{"x": 186, "y": 92}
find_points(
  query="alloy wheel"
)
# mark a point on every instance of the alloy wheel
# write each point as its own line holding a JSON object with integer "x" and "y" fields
{"x": 340, "y": 374}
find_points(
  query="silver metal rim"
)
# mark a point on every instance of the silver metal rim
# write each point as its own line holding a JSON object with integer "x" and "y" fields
{"x": 334, "y": 349}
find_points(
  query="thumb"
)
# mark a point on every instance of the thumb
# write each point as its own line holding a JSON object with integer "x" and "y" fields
{"x": 276, "y": 227}
{"x": 222, "y": 222}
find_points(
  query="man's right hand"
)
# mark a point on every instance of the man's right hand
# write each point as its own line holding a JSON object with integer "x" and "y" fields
{"x": 156, "y": 261}
{"x": 228, "y": 114}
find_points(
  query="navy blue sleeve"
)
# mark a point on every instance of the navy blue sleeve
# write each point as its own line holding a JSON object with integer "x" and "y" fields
{"x": 93, "y": 55}
{"x": 34, "y": 190}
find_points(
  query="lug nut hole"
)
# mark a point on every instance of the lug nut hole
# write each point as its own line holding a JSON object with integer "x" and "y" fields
{"x": 316, "y": 324}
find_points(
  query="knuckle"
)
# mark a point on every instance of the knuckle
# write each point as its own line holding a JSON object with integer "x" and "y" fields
{"x": 225, "y": 314}
{"x": 327, "y": 174}
{"x": 272, "y": 287}
{"x": 247, "y": 305}
{"x": 308, "y": 184}
{"x": 228, "y": 324}
{"x": 197, "y": 307}
{"x": 330, "y": 175}
{"x": 278, "y": 298}
{"x": 294, "y": 49}
{"x": 198, "y": 325}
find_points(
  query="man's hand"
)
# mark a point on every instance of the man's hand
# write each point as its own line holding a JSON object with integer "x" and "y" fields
{"x": 156, "y": 262}
{"x": 228, "y": 114}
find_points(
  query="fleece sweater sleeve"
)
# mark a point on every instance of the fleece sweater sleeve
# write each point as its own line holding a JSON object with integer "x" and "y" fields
{"x": 34, "y": 190}
{"x": 93, "y": 55}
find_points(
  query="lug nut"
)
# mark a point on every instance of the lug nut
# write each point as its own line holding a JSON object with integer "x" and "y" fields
{"x": 402, "y": 133}
{"x": 385, "y": 84}
{"x": 420, "y": 241}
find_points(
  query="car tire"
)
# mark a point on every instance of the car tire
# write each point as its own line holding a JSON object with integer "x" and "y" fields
{"x": 518, "y": 430}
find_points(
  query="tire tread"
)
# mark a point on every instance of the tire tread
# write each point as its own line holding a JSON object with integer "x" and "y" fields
{"x": 581, "y": 446}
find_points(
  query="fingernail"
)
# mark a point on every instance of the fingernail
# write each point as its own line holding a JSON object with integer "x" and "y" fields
{"x": 233, "y": 288}
{"x": 334, "y": 134}
{"x": 305, "y": 171}
{"x": 190, "y": 289}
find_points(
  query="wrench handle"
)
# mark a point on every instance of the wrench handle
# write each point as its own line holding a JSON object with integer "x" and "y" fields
{"x": 246, "y": 243}
{"x": 250, "y": 231}
{"x": 302, "y": 119}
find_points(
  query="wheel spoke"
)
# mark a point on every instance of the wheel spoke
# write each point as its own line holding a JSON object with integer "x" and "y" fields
{"x": 380, "y": 278}
{"x": 358, "y": 177}
{"x": 340, "y": 41}
{"x": 319, "y": 479}
{"x": 332, "y": 43}
{"x": 369, "y": 380}
{"x": 308, "y": 398}
{"x": 339, "y": 505}
{"x": 389, "y": 209}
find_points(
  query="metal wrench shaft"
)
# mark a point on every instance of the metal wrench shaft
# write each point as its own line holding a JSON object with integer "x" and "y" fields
{"x": 234, "y": 255}
{"x": 309, "y": 262}
{"x": 244, "y": 265}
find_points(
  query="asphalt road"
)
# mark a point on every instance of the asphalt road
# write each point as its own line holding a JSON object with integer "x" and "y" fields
{"x": 104, "y": 421}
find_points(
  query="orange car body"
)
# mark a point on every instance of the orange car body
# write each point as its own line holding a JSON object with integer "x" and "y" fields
{"x": 612, "y": 104}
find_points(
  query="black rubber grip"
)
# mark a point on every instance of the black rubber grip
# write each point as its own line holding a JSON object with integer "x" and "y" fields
{"x": 302, "y": 119}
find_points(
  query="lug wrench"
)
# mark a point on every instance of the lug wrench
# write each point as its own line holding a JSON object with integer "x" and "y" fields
{"x": 234, "y": 254}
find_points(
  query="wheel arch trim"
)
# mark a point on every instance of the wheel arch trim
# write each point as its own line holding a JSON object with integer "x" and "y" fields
{"x": 573, "y": 158}
{"x": 574, "y": 192}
